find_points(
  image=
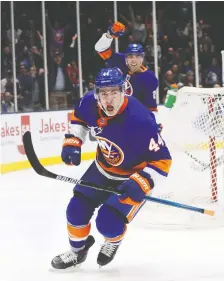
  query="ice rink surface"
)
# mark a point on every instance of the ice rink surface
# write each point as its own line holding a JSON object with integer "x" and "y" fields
{"x": 33, "y": 231}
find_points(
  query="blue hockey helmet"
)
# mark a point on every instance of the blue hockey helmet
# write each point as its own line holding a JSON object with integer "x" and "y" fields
{"x": 109, "y": 77}
{"x": 135, "y": 49}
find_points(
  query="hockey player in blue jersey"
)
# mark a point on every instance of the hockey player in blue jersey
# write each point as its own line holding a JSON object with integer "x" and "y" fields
{"x": 140, "y": 81}
{"x": 131, "y": 157}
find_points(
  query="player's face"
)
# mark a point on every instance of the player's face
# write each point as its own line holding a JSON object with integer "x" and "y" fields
{"x": 111, "y": 99}
{"x": 134, "y": 62}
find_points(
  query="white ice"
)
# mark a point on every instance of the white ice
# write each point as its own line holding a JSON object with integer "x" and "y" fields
{"x": 33, "y": 231}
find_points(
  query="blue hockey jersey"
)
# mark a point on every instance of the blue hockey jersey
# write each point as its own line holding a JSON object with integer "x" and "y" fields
{"x": 127, "y": 142}
{"x": 141, "y": 84}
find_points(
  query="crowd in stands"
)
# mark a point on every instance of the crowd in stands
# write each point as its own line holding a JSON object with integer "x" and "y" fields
{"x": 175, "y": 48}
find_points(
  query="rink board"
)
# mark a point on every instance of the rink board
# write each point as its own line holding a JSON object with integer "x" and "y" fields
{"x": 47, "y": 129}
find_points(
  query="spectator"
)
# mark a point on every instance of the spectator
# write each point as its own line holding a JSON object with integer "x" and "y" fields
{"x": 205, "y": 58}
{"x": 173, "y": 27}
{"x": 7, "y": 105}
{"x": 73, "y": 75}
{"x": 57, "y": 35}
{"x": 26, "y": 36}
{"x": 24, "y": 57}
{"x": 6, "y": 60}
{"x": 188, "y": 30}
{"x": 189, "y": 79}
{"x": 58, "y": 79}
{"x": 17, "y": 33}
{"x": 175, "y": 71}
{"x": 150, "y": 49}
{"x": 138, "y": 28}
{"x": 7, "y": 84}
{"x": 91, "y": 85}
{"x": 165, "y": 45}
{"x": 36, "y": 88}
{"x": 180, "y": 85}
{"x": 71, "y": 51}
{"x": 186, "y": 67}
{"x": 58, "y": 74}
{"x": 206, "y": 40}
{"x": 186, "y": 55}
{"x": 211, "y": 80}
{"x": 36, "y": 58}
{"x": 7, "y": 93}
{"x": 25, "y": 81}
{"x": 215, "y": 68}
{"x": 168, "y": 84}
{"x": 176, "y": 58}
{"x": 168, "y": 78}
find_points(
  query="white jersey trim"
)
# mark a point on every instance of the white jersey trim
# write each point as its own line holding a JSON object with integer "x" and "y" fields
{"x": 158, "y": 180}
{"x": 103, "y": 43}
{"x": 79, "y": 131}
{"x": 103, "y": 172}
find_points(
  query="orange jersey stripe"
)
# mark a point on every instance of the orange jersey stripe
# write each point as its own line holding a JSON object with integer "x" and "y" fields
{"x": 106, "y": 54}
{"x": 129, "y": 201}
{"x": 141, "y": 69}
{"x": 134, "y": 210}
{"x": 120, "y": 171}
{"x": 79, "y": 232}
{"x": 163, "y": 165}
{"x": 153, "y": 109}
{"x": 76, "y": 119}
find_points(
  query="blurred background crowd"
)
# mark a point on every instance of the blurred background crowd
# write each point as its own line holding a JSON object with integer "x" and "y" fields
{"x": 175, "y": 47}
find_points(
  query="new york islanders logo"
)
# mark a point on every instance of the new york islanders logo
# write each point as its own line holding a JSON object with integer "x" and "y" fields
{"x": 95, "y": 130}
{"x": 128, "y": 90}
{"x": 111, "y": 152}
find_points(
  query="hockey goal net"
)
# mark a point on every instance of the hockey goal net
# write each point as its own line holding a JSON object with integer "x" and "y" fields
{"x": 194, "y": 133}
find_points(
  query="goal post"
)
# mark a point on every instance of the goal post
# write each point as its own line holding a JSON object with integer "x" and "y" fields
{"x": 196, "y": 124}
{"x": 193, "y": 130}
{"x": 222, "y": 54}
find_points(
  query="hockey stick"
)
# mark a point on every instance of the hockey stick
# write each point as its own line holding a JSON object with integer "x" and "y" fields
{"x": 39, "y": 169}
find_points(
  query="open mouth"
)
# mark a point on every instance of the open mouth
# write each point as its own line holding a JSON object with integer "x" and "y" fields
{"x": 110, "y": 108}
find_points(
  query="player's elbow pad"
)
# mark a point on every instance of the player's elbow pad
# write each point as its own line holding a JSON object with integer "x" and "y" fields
{"x": 103, "y": 43}
{"x": 79, "y": 131}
